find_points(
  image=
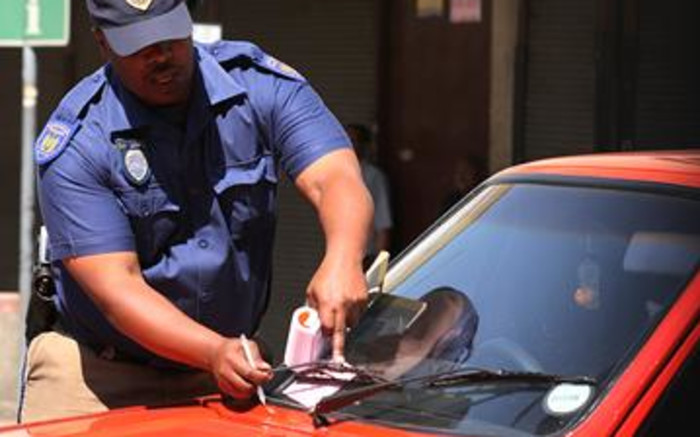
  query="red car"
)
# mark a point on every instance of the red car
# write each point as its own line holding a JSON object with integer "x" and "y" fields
{"x": 561, "y": 297}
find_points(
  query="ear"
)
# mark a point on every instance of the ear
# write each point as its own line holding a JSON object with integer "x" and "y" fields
{"x": 105, "y": 49}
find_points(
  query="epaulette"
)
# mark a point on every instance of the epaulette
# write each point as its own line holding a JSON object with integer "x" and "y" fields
{"x": 65, "y": 120}
{"x": 225, "y": 51}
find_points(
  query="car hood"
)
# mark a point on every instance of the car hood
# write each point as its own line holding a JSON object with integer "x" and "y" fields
{"x": 206, "y": 417}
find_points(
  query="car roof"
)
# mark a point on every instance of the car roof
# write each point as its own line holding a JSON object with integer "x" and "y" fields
{"x": 679, "y": 167}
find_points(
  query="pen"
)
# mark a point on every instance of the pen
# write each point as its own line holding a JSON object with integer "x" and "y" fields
{"x": 249, "y": 357}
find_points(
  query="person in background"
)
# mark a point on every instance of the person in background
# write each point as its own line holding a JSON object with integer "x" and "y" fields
{"x": 157, "y": 182}
{"x": 378, "y": 186}
{"x": 466, "y": 175}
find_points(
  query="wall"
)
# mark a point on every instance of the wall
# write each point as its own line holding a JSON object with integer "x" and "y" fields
{"x": 435, "y": 108}
{"x": 504, "y": 36}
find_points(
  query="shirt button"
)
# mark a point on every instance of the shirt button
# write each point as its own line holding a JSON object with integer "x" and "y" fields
{"x": 203, "y": 244}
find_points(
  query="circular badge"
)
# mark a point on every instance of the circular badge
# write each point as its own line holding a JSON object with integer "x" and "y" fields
{"x": 565, "y": 399}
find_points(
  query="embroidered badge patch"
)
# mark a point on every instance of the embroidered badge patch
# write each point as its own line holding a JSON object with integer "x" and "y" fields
{"x": 52, "y": 141}
{"x": 141, "y": 5}
{"x": 277, "y": 65}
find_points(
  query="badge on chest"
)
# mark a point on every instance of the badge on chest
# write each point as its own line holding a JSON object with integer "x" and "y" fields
{"x": 134, "y": 161}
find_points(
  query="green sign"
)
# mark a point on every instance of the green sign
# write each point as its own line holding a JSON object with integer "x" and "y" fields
{"x": 37, "y": 23}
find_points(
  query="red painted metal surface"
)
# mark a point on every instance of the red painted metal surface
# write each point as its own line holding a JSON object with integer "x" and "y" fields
{"x": 209, "y": 418}
{"x": 674, "y": 167}
{"x": 650, "y": 398}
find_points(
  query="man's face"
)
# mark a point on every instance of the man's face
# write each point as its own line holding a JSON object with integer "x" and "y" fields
{"x": 159, "y": 75}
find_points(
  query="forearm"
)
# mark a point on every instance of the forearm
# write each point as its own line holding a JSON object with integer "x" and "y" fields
{"x": 345, "y": 213}
{"x": 156, "y": 324}
{"x": 115, "y": 283}
{"x": 141, "y": 313}
{"x": 338, "y": 288}
{"x": 335, "y": 188}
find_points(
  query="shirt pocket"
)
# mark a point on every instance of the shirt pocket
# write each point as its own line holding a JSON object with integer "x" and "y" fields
{"x": 247, "y": 196}
{"x": 156, "y": 221}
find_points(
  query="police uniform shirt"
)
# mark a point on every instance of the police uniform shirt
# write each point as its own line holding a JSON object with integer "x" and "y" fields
{"x": 197, "y": 204}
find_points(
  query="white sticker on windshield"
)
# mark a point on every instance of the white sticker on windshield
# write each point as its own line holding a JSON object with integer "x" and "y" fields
{"x": 566, "y": 398}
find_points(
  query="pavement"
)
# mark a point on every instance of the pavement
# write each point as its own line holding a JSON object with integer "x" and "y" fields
{"x": 10, "y": 334}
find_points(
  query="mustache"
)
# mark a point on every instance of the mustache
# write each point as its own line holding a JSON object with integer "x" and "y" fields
{"x": 162, "y": 67}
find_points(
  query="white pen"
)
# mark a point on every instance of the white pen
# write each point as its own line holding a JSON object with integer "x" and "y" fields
{"x": 249, "y": 357}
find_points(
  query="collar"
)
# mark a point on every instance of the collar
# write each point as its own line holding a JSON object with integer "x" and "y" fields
{"x": 219, "y": 85}
{"x": 209, "y": 79}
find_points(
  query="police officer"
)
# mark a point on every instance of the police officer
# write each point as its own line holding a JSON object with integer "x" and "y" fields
{"x": 157, "y": 186}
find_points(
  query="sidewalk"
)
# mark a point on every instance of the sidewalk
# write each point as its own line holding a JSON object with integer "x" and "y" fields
{"x": 10, "y": 328}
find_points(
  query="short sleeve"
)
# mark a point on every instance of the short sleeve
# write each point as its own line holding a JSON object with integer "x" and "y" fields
{"x": 303, "y": 128}
{"x": 81, "y": 214}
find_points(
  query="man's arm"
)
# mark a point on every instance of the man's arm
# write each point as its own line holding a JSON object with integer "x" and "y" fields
{"x": 333, "y": 184}
{"x": 116, "y": 285}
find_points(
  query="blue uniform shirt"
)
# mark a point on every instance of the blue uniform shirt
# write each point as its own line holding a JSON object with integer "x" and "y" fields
{"x": 196, "y": 204}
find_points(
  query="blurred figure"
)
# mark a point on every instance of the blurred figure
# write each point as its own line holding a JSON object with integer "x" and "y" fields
{"x": 466, "y": 175}
{"x": 378, "y": 186}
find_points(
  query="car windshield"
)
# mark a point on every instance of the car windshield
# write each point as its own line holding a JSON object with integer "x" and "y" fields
{"x": 564, "y": 280}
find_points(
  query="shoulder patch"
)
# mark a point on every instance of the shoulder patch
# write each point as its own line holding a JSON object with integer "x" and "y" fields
{"x": 280, "y": 67}
{"x": 225, "y": 51}
{"x": 53, "y": 141}
{"x": 64, "y": 121}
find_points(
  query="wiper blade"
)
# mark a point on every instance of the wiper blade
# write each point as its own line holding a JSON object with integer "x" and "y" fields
{"x": 500, "y": 375}
{"x": 346, "y": 397}
{"x": 443, "y": 379}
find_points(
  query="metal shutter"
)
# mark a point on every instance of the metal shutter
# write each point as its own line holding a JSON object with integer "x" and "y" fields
{"x": 560, "y": 78}
{"x": 668, "y": 90}
{"x": 334, "y": 45}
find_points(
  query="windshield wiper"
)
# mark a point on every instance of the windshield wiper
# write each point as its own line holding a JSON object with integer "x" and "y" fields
{"x": 501, "y": 375}
{"x": 443, "y": 379}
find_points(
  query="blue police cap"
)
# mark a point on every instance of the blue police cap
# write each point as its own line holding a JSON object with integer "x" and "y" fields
{"x": 131, "y": 25}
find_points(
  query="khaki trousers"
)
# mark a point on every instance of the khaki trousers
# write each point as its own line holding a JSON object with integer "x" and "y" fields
{"x": 63, "y": 378}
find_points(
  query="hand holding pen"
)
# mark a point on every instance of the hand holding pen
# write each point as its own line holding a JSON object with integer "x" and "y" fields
{"x": 249, "y": 357}
{"x": 237, "y": 371}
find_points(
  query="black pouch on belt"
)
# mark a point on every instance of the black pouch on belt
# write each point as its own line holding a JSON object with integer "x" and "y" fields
{"x": 41, "y": 311}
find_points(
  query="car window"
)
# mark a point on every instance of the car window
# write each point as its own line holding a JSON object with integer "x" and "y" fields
{"x": 566, "y": 280}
